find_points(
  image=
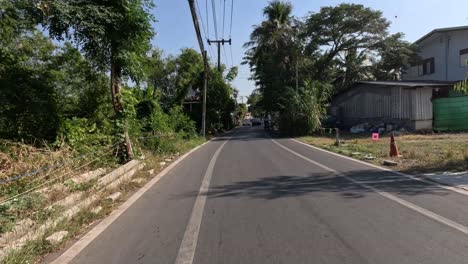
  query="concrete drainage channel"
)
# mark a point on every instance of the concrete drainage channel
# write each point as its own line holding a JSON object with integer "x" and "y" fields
{"x": 102, "y": 189}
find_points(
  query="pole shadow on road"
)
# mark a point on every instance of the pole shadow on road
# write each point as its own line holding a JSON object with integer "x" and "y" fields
{"x": 315, "y": 184}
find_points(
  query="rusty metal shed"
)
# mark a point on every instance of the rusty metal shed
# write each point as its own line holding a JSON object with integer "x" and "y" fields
{"x": 404, "y": 103}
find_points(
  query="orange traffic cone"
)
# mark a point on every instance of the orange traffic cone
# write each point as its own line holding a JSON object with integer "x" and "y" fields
{"x": 393, "y": 147}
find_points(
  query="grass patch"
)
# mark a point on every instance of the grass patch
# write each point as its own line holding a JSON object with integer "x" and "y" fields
{"x": 420, "y": 153}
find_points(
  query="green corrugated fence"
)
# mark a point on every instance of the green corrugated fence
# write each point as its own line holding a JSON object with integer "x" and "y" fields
{"x": 451, "y": 114}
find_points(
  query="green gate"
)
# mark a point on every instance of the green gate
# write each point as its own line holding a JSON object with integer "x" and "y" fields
{"x": 450, "y": 114}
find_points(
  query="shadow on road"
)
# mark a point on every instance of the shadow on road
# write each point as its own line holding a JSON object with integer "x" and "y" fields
{"x": 244, "y": 134}
{"x": 291, "y": 186}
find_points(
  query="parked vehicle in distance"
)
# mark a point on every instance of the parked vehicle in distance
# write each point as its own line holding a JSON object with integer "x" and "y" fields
{"x": 256, "y": 122}
{"x": 246, "y": 122}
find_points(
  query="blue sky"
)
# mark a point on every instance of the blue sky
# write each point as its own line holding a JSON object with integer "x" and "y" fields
{"x": 175, "y": 28}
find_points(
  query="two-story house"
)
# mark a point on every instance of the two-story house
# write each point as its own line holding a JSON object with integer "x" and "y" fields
{"x": 444, "y": 54}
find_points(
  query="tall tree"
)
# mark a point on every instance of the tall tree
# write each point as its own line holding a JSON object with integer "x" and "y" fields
{"x": 115, "y": 35}
{"x": 342, "y": 28}
{"x": 271, "y": 53}
{"x": 394, "y": 56}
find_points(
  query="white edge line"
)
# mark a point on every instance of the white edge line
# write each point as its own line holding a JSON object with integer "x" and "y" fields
{"x": 451, "y": 188}
{"x": 387, "y": 195}
{"x": 83, "y": 242}
{"x": 189, "y": 242}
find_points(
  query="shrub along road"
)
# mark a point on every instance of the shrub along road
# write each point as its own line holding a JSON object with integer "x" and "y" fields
{"x": 247, "y": 198}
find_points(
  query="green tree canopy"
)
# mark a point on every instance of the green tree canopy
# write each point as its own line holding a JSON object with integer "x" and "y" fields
{"x": 342, "y": 28}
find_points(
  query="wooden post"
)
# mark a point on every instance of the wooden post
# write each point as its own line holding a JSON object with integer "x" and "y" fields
{"x": 337, "y": 142}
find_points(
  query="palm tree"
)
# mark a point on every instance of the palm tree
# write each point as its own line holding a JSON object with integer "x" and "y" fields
{"x": 270, "y": 52}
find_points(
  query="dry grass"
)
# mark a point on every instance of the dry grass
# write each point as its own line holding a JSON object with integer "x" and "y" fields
{"x": 51, "y": 165}
{"x": 17, "y": 158}
{"x": 420, "y": 153}
{"x": 34, "y": 250}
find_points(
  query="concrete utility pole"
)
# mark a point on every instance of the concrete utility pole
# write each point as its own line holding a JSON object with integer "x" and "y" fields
{"x": 205, "y": 60}
{"x": 219, "y": 42}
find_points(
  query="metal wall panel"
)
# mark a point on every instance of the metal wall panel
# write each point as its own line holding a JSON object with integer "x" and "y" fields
{"x": 386, "y": 102}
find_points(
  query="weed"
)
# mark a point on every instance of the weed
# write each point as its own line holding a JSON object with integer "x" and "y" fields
{"x": 449, "y": 154}
{"x": 422, "y": 153}
{"x": 29, "y": 253}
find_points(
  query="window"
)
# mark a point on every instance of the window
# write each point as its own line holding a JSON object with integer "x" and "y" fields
{"x": 428, "y": 66}
{"x": 420, "y": 70}
{"x": 464, "y": 58}
{"x": 424, "y": 67}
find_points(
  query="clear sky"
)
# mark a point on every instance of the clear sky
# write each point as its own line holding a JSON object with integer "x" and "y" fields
{"x": 175, "y": 28}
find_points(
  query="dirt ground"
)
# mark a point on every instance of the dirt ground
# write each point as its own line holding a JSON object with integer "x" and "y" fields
{"x": 420, "y": 153}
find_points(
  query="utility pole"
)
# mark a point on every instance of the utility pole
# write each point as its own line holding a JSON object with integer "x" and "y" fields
{"x": 205, "y": 60}
{"x": 205, "y": 86}
{"x": 219, "y": 42}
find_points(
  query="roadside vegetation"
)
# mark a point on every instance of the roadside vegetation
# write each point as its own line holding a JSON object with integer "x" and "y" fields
{"x": 299, "y": 63}
{"x": 419, "y": 153}
{"x": 72, "y": 90}
{"x": 81, "y": 88}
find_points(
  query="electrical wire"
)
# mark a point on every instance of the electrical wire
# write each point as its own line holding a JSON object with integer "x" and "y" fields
{"x": 220, "y": 14}
{"x": 203, "y": 26}
{"x": 213, "y": 7}
{"x": 224, "y": 14}
{"x": 232, "y": 9}
{"x": 207, "y": 18}
{"x": 201, "y": 19}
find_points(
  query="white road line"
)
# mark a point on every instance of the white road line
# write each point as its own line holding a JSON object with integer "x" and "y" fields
{"x": 400, "y": 201}
{"x": 81, "y": 244}
{"x": 454, "y": 189}
{"x": 189, "y": 242}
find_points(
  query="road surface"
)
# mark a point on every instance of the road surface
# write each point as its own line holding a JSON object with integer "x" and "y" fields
{"x": 248, "y": 198}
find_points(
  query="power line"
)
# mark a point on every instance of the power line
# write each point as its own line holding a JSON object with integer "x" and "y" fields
{"x": 210, "y": 50}
{"x": 220, "y": 14}
{"x": 207, "y": 19}
{"x": 213, "y": 7}
{"x": 224, "y": 14}
{"x": 232, "y": 8}
{"x": 201, "y": 19}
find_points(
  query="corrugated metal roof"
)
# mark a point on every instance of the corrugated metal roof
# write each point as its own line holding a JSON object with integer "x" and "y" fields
{"x": 440, "y": 30}
{"x": 408, "y": 83}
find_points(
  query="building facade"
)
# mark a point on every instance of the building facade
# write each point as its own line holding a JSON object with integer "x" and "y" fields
{"x": 444, "y": 56}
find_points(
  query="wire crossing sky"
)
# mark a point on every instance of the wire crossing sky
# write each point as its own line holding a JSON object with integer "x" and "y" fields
{"x": 174, "y": 28}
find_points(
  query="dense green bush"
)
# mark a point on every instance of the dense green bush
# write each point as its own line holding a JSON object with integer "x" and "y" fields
{"x": 304, "y": 109}
{"x": 181, "y": 123}
{"x": 84, "y": 135}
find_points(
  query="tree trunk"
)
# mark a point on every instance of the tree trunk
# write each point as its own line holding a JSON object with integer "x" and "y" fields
{"x": 116, "y": 87}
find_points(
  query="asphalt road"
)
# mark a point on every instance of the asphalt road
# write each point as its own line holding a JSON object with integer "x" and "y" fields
{"x": 247, "y": 198}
